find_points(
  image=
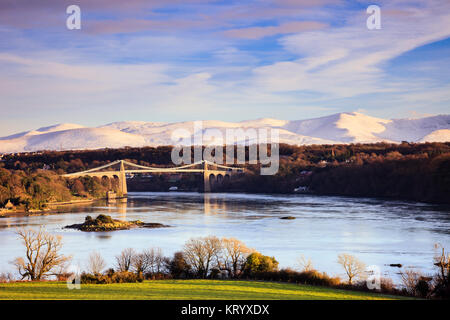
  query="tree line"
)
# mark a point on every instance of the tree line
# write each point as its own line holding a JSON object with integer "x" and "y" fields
{"x": 412, "y": 171}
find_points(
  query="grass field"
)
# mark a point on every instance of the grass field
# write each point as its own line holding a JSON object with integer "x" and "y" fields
{"x": 179, "y": 289}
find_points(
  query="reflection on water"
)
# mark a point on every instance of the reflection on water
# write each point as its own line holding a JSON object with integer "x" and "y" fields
{"x": 378, "y": 232}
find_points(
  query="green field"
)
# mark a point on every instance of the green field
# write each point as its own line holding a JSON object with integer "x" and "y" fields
{"x": 180, "y": 289}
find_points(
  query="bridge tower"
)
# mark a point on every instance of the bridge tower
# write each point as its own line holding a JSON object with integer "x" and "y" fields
{"x": 206, "y": 183}
{"x": 122, "y": 180}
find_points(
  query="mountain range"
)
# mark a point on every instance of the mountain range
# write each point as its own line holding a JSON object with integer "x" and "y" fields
{"x": 348, "y": 127}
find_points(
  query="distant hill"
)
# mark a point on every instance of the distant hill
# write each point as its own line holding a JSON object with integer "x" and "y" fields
{"x": 348, "y": 127}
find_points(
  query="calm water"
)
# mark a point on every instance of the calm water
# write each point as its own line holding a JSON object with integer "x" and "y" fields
{"x": 376, "y": 231}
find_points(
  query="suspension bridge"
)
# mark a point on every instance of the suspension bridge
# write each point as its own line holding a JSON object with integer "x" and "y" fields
{"x": 213, "y": 173}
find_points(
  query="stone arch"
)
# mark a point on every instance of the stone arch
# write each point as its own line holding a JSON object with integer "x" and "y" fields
{"x": 115, "y": 182}
{"x": 106, "y": 182}
{"x": 227, "y": 178}
{"x": 219, "y": 178}
{"x": 212, "y": 180}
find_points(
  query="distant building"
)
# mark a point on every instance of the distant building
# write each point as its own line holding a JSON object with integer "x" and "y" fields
{"x": 9, "y": 205}
{"x": 301, "y": 189}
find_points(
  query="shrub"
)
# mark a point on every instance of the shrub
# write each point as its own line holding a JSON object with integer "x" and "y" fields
{"x": 387, "y": 285}
{"x": 178, "y": 266}
{"x": 126, "y": 277}
{"x": 257, "y": 263}
{"x": 114, "y": 277}
{"x": 311, "y": 277}
{"x": 104, "y": 219}
{"x": 423, "y": 287}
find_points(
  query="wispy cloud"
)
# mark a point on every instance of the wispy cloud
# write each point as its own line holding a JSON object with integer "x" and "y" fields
{"x": 349, "y": 60}
{"x": 261, "y": 32}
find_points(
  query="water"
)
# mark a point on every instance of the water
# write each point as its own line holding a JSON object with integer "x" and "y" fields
{"x": 378, "y": 232}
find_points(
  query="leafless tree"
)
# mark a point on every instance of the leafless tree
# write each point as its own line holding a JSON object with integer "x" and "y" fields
{"x": 125, "y": 259}
{"x": 201, "y": 253}
{"x": 352, "y": 266}
{"x": 42, "y": 254}
{"x": 232, "y": 256}
{"x": 158, "y": 260}
{"x": 442, "y": 261}
{"x": 141, "y": 263}
{"x": 96, "y": 263}
{"x": 410, "y": 279}
{"x": 305, "y": 264}
{"x": 150, "y": 260}
{"x": 6, "y": 277}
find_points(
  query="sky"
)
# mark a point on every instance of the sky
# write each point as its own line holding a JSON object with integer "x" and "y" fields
{"x": 181, "y": 60}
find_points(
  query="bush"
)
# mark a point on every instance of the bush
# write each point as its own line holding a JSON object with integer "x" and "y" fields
{"x": 311, "y": 277}
{"x": 104, "y": 219}
{"x": 423, "y": 287}
{"x": 111, "y": 277}
{"x": 257, "y": 263}
{"x": 387, "y": 286}
{"x": 178, "y": 266}
{"x": 126, "y": 277}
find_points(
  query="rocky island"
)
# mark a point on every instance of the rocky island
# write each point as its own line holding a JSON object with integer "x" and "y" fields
{"x": 106, "y": 223}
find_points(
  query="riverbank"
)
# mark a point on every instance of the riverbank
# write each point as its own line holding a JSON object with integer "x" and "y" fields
{"x": 182, "y": 289}
{"x": 50, "y": 207}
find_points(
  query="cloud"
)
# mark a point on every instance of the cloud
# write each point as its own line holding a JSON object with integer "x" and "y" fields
{"x": 348, "y": 61}
{"x": 168, "y": 60}
{"x": 261, "y": 32}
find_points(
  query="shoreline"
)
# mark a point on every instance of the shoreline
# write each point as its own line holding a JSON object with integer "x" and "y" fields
{"x": 50, "y": 208}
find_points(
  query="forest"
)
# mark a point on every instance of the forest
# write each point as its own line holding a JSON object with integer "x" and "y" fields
{"x": 410, "y": 171}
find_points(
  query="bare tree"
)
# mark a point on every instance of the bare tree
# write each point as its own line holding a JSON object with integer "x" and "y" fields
{"x": 141, "y": 263}
{"x": 201, "y": 253}
{"x": 158, "y": 260}
{"x": 151, "y": 260}
{"x": 442, "y": 261}
{"x": 352, "y": 266}
{"x": 232, "y": 256}
{"x": 6, "y": 277}
{"x": 96, "y": 263}
{"x": 125, "y": 259}
{"x": 42, "y": 254}
{"x": 410, "y": 279}
{"x": 305, "y": 264}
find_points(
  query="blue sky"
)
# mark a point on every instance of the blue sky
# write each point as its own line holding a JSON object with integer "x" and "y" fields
{"x": 179, "y": 60}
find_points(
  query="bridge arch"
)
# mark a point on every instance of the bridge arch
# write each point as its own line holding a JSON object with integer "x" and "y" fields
{"x": 212, "y": 180}
{"x": 106, "y": 181}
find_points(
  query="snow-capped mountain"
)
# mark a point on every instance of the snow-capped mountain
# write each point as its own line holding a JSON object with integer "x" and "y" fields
{"x": 349, "y": 127}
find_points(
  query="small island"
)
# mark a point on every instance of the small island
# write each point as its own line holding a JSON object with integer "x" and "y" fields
{"x": 106, "y": 223}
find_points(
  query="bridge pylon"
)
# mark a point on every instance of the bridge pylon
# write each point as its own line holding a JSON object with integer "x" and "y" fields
{"x": 122, "y": 180}
{"x": 206, "y": 183}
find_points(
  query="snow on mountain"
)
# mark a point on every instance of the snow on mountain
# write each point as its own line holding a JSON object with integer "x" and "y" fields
{"x": 57, "y": 127}
{"x": 342, "y": 127}
{"x": 349, "y": 127}
{"x": 437, "y": 136}
{"x": 416, "y": 129}
{"x": 71, "y": 139}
